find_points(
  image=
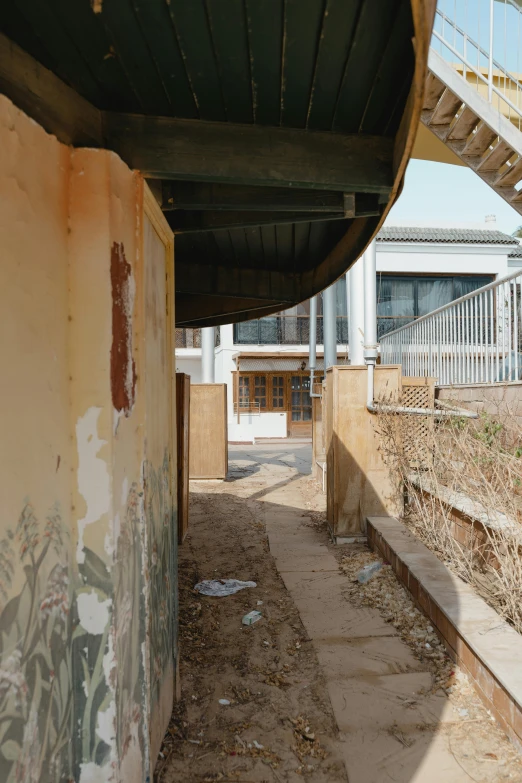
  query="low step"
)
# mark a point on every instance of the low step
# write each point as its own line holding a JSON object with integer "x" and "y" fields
{"x": 483, "y": 644}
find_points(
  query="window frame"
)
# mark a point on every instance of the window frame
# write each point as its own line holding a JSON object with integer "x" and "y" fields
{"x": 484, "y": 279}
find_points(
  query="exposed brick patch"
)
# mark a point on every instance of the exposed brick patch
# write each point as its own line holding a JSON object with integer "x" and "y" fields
{"x": 123, "y": 367}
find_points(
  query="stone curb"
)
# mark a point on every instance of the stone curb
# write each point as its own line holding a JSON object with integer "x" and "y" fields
{"x": 487, "y": 648}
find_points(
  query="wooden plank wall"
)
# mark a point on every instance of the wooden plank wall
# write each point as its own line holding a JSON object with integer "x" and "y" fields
{"x": 208, "y": 458}
{"x": 183, "y": 419}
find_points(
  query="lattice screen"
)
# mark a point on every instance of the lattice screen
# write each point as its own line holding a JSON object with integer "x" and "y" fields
{"x": 418, "y": 393}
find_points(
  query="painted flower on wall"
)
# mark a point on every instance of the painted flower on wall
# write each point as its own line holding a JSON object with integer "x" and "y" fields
{"x": 35, "y": 645}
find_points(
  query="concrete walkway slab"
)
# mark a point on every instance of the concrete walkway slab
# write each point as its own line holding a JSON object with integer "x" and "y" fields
{"x": 391, "y": 700}
{"x": 392, "y": 727}
{"x": 360, "y": 657}
{"x": 402, "y": 757}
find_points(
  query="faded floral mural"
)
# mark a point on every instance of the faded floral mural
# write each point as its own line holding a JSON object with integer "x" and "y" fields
{"x": 159, "y": 518}
{"x": 55, "y": 682}
{"x": 35, "y": 651}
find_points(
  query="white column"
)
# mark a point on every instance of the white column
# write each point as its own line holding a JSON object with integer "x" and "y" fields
{"x": 208, "y": 339}
{"x": 329, "y": 327}
{"x": 370, "y": 300}
{"x": 356, "y": 322}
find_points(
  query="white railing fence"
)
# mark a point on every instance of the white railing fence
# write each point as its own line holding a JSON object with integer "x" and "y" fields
{"x": 475, "y": 339}
{"x": 482, "y": 39}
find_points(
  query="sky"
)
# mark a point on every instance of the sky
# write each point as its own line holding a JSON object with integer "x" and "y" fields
{"x": 441, "y": 193}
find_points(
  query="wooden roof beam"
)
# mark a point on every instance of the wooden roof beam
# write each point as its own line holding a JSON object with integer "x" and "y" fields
{"x": 47, "y": 99}
{"x": 187, "y": 222}
{"x": 215, "y": 280}
{"x": 224, "y": 152}
{"x": 213, "y": 197}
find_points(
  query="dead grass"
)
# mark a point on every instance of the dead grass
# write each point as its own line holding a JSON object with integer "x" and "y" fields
{"x": 478, "y": 461}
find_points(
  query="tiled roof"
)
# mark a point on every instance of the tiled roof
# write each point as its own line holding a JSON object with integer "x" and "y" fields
{"x": 457, "y": 236}
{"x": 516, "y": 252}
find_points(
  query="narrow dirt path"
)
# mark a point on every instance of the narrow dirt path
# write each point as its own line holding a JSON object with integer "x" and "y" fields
{"x": 269, "y": 672}
{"x": 400, "y": 710}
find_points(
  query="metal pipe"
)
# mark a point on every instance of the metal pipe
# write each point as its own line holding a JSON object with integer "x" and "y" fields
{"x": 208, "y": 339}
{"x": 490, "y": 63}
{"x": 356, "y": 324}
{"x": 312, "y": 344}
{"x": 329, "y": 327}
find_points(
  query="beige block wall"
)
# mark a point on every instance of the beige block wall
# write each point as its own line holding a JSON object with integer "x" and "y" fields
{"x": 358, "y": 482}
{"x": 86, "y": 557}
{"x": 499, "y": 399}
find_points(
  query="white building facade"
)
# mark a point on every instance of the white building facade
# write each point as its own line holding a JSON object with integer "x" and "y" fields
{"x": 264, "y": 363}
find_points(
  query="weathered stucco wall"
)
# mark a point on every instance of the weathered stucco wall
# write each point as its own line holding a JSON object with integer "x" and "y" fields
{"x": 86, "y": 559}
{"x": 35, "y": 461}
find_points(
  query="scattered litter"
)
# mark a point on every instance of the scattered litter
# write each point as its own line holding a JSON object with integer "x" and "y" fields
{"x": 224, "y": 702}
{"x": 257, "y": 745}
{"x": 259, "y": 603}
{"x": 251, "y": 618}
{"x": 366, "y": 573}
{"x": 219, "y": 588}
{"x": 266, "y": 642}
{"x": 464, "y": 713}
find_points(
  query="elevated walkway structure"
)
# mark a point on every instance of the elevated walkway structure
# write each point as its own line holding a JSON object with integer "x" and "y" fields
{"x": 276, "y": 133}
{"x": 473, "y": 101}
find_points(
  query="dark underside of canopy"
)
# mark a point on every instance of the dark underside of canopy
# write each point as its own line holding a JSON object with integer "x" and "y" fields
{"x": 266, "y": 128}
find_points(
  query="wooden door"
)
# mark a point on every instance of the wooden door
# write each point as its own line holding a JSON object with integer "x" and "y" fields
{"x": 278, "y": 392}
{"x": 208, "y": 431}
{"x": 300, "y": 413}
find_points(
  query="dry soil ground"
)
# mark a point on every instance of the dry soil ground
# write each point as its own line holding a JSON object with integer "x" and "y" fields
{"x": 279, "y": 725}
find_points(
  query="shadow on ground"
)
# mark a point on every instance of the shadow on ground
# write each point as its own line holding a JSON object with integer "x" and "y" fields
{"x": 323, "y": 687}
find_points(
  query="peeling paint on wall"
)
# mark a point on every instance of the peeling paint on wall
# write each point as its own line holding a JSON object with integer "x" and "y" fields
{"x": 123, "y": 367}
{"x": 93, "y": 475}
{"x": 93, "y": 613}
{"x": 92, "y": 773}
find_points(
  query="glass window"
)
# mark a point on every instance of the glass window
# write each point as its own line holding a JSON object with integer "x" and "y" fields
{"x": 402, "y": 298}
{"x": 278, "y": 392}
{"x": 260, "y": 391}
{"x": 301, "y": 400}
{"x": 433, "y": 293}
{"x": 244, "y": 391}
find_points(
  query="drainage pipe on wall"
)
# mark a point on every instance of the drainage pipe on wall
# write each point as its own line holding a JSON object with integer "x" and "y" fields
{"x": 208, "y": 341}
{"x": 312, "y": 344}
{"x": 371, "y": 348}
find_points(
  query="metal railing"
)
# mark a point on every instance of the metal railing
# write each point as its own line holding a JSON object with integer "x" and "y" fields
{"x": 474, "y": 339}
{"x": 285, "y": 330}
{"x": 191, "y": 337}
{"x": 482, "y": 39}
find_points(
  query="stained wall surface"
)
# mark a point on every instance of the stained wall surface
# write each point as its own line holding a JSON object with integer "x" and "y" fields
{"x": 87, "y": 511}
{"x": 358, "y": 481}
